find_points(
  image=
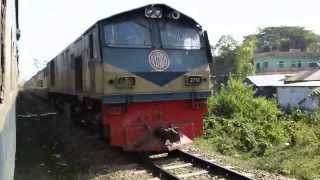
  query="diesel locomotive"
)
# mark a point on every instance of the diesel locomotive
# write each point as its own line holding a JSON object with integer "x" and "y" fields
{"x": 142, "y": 76}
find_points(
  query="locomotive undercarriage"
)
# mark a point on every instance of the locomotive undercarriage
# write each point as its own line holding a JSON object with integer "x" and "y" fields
{"x": 84, "y": 112}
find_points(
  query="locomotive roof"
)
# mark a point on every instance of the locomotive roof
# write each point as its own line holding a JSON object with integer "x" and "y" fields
{"x": 165, "y": 8}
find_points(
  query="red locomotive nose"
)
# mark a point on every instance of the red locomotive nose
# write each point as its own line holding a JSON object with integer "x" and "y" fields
{"x": 116, "y": 109}
{"x": 154, "y": 126}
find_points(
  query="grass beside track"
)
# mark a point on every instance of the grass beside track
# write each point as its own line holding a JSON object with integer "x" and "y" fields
{"x": 297, "y": 162}
{"x": 256, "y": 132}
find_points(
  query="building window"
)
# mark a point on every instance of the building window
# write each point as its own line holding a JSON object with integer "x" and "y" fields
{"x": 265, "y": 65}
{"x": 299, "y": 64}
{"x": 313, "y": 64}
{"x": 281, "y": 64}
{"x": 258, "y": 66}
{"x": 294, "y": 64}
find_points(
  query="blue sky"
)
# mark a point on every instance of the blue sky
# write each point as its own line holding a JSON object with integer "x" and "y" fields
{"x": 48, "y": 26}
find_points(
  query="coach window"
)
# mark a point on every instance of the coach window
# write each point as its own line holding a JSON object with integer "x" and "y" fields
{"x": 52, "y": 73}
{"x": 91, "y": 45}
{"x": 2, "y": 48}
{"x": 179, "y": 36}
{"x": 128, "y": 34}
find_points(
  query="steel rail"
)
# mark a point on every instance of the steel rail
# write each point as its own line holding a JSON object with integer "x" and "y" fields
{"x": 210, "y": 166}
{"x": 161, "y": 173}
{"x": 155, "y": 169}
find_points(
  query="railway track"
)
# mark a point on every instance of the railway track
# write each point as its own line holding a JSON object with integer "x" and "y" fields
{"x": 179, "y": 164}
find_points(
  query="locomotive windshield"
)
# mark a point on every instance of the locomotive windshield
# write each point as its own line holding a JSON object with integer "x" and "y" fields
{"x": 179, "y": 36}
{"x": 127, "y": 34}
{"x": 136, "y": 32}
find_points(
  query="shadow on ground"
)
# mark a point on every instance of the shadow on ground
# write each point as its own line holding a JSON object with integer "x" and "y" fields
{"x": 50, "y": 147}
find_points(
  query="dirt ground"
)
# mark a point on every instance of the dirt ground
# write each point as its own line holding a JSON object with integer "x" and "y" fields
{"x": 49, "y": 147}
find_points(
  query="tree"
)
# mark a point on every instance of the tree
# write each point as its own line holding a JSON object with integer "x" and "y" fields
{"x": 233, "y": 58}
{"x": 284, "y": 38}
{"x": 244, "y": 58}
{"x": 314, "y": 47}
{"x": 225, "y": 52}
{"x": 225, "y": 45}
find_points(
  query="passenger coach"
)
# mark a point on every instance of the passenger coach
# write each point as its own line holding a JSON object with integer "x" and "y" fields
{"x": 141, "y": 75}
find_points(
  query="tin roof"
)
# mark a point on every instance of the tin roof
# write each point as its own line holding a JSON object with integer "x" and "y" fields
{"x": 267, "y": 80}
{"x": 290, "y": 55}
{"x": 302, "y": 84}
{"x": 311, "y": 75}
{"x": 279, "y": 80}
{"x": 315, "y": 92}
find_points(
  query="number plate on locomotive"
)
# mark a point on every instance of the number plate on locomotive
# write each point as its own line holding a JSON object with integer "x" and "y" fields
{"x": 193, "y": 80}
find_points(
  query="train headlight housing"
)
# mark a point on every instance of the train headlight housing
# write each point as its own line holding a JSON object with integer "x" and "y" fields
{"x": 175, "y": 15}
{"x": 153, "y": 12}
{"x": 193, "y": 80}
{"x": 125, "y": 82}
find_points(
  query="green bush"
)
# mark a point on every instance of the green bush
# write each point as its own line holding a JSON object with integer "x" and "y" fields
{"x": 236, "y": 99}
{"x": 254, "y": 127}
{"x": 239, "y": 121}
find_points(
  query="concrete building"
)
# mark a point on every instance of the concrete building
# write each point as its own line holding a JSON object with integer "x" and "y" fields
{"x": 285, "y": 62}
{"x": 301, "y": 90}
{"x": 303, "y": 95}
{"x": 266, "y": 85}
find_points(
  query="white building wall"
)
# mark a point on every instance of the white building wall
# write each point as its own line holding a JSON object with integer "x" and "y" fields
{"x": 290, "y": 97}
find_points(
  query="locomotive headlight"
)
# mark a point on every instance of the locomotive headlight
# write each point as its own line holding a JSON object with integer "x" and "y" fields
{"x": 194, "y": 80}
{"x": 175, "y": 15}
{"x": 125, "y": 82}
{"x": 153, "y": 12}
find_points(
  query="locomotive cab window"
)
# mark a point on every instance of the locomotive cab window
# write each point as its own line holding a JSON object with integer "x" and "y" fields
{"x": 179, "y": 36}
{"x": 129, "y": 33}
